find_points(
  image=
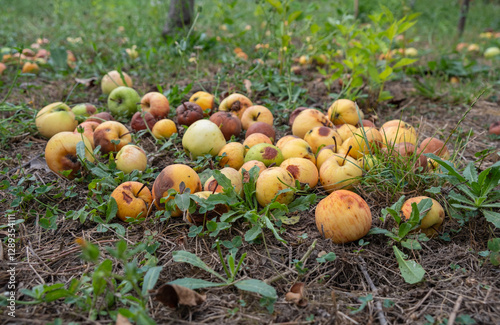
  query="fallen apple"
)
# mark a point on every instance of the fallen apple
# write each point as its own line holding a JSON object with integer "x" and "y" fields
{"x": 164, "y": 129}
{"x": 84, "y": 109}
{"x": 188, "y": 113}
{"x": 256, "y": 113}
{"x": 111, "y": 136}
{"x": 266, "y": 153}
{"x": 55, "y": 118}
{"x": 142, "y": 121}
{"x": 432, "y": 221}
{"x": 229, "y": 124}
{"x": 262, "y": 127}
{"x": 339, "y": 172}
{"x": 307, "y": 120}
{"x": 155, "y": 103}
{"x": 133, "y": 200}
{"x": 343, "y": 111}
{"x": 232, "y": 155}
{"x": 205, "y": 100}
{"x": 236, "y": 104}
{"x": 114, "y": 79}
{"x": 271, "y": 181}
{"x": 123, "y": 102}
{"x": 203, "y": 137}
{"x": 130, "y": 158}
{"x": 303, "y": 170}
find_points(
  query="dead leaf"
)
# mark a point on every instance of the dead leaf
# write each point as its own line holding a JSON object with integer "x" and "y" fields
{"x": 122, "y": 320}
{"x": 86, "y": 82}
{"x": 248, "y": 87}
{"x": 173, "y": 295}
{"x": 296, "y": 294}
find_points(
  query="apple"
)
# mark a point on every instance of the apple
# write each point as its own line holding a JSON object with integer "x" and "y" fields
{"x": 366, "y": 124}
{"x": 307, "y": 120}
{"x": 232, "y": 174}
{"x": 163, "y": 129}
{"x": 142, "y": 121}
{"x": 113, "y": 79}
{"x": 246, "y": 167}
{"x": 228, "y": 123}
{"x": 254, "y": 139}
{"x": 339, "y": 172}
{"x": 188, "y": 113}
{"x": 367, "y": 162}
{"x": 494, "y": 128}
{"x": 343, "y": 216}
{"x": 256, "y": 113}
{"x": 84, "y": 109}
{"x": 435, "y": 146}
{"x": 343, "y": 111}
{"x": 198, "y": 218}
{"x": 392, "y": 135}
{"x": 100, "y": 117}
{"x": 156, "y": 104}
{"x": 132, "y": 52}
{"x": 123, "y": 102}
{"x": 88, "y": 130}
{"x": 303, "y": 170}
{"x": 178, "y": 177}
{"x": 30, "y": 67}
{"x": 281, "y": 142}
{"x": 346, "y": 131}
{"x": 111, "y": 136}
{"x": 491, "y": 52}
{"x": 130, "y": 158}
{"x": 205, "y": 100}
{"x": 203, "y": 137}
{"x": 133, "y": 200}
{"x": 298, "y": 148}
{"x": 294, "y": 114}
{"x": 325, "y": 153}
{"x": 42, "y": 54}
{"x": 262, "y": 127}
{"x": 270, "y": 182}
{"x": 61, "y": 155}
{"x": 54, "y": 118}
{"x": 433, "y": 219}
{"x": 320, "y": 136}
{"x": 407, "y": 151}
{"x": 29, "y": 53}
{"x": 411, "y": 52}
{"x": 364, "y": 141}
{"x": 397, "y": 123}
{"x": 2, "y": 68}
{"x": 265, "y": 152}
{"x": 236, "y": 104}
{"x": 233, "y": 155}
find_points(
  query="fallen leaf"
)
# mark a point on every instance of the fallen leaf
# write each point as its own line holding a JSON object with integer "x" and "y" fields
{"x": 173, "y": 295}
{"x": 296, "y": 294}
{"x": 86, "y": 82}
{"x": 248, "y": 86}
{"x": 122, "y": 320}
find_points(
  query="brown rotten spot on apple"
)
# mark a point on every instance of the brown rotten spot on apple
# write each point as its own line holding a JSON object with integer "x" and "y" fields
{"x": 127, "y": 197}
{"x": 71, "y": 162}
{"x": 269, "y": 153}
{"x": 294, "y": 170}
{"x": 324, "y": 131}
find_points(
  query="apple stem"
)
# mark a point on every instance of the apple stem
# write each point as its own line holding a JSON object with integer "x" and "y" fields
{"x": 114, "y": 100}
{"x": 143, "y": 186}
{"x": 257, "y": 117}
{"x": 347, "y": 153}
{"x": 335, "y": 140}
{"x": 215, "y": 188}
{"x": 271, "y": 165}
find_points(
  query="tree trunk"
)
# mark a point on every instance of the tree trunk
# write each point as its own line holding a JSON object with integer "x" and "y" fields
{"x": 463, "y": 17}
{"x": 180, "y": 16}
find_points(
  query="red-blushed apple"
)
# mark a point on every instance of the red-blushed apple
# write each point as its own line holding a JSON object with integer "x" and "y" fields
{"x": 85, "y": 109}
{"x": 111, "y": 136}
{"x": 133, "y": 200}
{"x": 232, "y": 174}
{"x": 232, "y": 155}
{"x": 254, "y": 139}
{"x": 42, "y": 54}
{"x": 245, "y": 168}
{"x": 55, "y": 118}
{"x": 435, "y": 146}
{"x": 188, "y": 113}
{"x": 265, "y": 152}
{"x": 113, "y": 79}
{"x": 164, "y": 129}
{"x": 61, "y": 155}
{"x": 155, "y": 103}
{"x": 298, "y": 148}
{"x": 88, "y": 130}
{"x": 343, "y": 111}
{"x": 307, "y": 120}
{"x": 142, "y": 121}
{"x": 203, "y": 137}
{"x": 228, "y": 123}
{"x": 346, "y": 131}
{"x": 261, "y": 127}
{"x": 130, "y": 158}
{"x": 320, "y": 136}
{"x": 256, "y": 113}
{"x": 339, "y": 172}
{"x": 303, "y": 170}
{"x": 397, "y": 123}
{"x": 432, "y": 221}
{"x": 343, "y": 216}
{"x": 236, "y": 104}
{"x": 123, "y": 102}
{"x": 406, "y": 152}
{"x": 270, "y": 182}
{"x": 495, "y": 128}
{"x": 325, "y": 153}
{"x": 198, "y": 218}
{"x": 178, "y": 177}
{"x": 281, "y": 142}
{"x": 100, "y": 117}
{"x": 205, "y": 100}
{"x": 294, "y": 114}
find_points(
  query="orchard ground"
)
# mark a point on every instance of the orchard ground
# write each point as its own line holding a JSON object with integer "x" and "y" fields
{"x": 433, "y": 94}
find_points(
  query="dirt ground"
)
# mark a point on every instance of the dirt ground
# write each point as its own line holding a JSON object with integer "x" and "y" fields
{"x": 458, "y": 282}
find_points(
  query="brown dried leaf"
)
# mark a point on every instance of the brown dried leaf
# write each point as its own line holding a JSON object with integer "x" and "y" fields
{"x": 296, "y": 294}
{"x": 122, "y": 320}
{"x": 173, "y": 295}
{"x": 86, "y": 82}
{"x": 248, "y": 87}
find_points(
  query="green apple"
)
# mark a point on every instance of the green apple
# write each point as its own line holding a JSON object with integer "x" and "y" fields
{"x": 491, "y": 52}
{"x": 123, "y": 102}
{"x": 84, "y": 109}
{"x": 266, "y": 153}
{"x": 203, "y": 137}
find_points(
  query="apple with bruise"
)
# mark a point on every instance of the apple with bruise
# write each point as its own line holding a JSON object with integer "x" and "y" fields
{"x": 235, "y": 104}
{"x": 321, "y": 136}
{"x": 234, "y": 177}
{"x": 393, "y": 134}
{"x": 188, "y": 113}
{"x": 432, "y": 221}
{"x": 133, "y": 200}
{"x": 232, "y": 155}
{"x": 343, "y": 111}
{"x": 256, "y": 113}
{"x": 205, "y": 100}
{"x": 164, "y": 129}
{"x": 229, "y": 124}
{"x": 294, "y": 114}
{"x": 156, "y": 104}
{"x": 339, "y": 172}
{"x": 54, "y": 118}
{"x": 61, "y": 155}
{"x": 261, "y": 127}
{"x": 363, "y": 141}
{"x": 130, "y": 158}
{"x": 298, "y": 148}
{"x": 266, "y": 153}
{"x": 307, "y": 120}
{"x": 246, "y": 167}
{"x": 88, "y": 130}
{"x": 271, "y": 181}
{"x": 111, "y": 136}
{"x": 303, "y": 170}
{"x": 178, "y": 177}
{"x": 142, "y": 121}
{"x": 343, "y": 216}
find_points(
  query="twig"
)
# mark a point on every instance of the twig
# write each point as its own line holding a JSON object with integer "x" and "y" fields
{"x": 453, "y": 314}
{"x": 347, "y": 317}
{"x": 303, "y": 260}
{"x": 378, "y": 304}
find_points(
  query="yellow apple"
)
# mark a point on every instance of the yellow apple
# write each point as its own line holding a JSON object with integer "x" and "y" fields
{"x": 308, "y": 119}
{"x": 55, "y": 118}
{"x": 107, "y": 135}
{"x": 339, "y": 172}
{"x": 432, "y": 221}
{"x": 164, "y": 129}
{"x": 343, "y": 111}
{"x": 256, "y": 113}
{"x": 130, "y": 158}
{"x": 234, "y": 155}
{"x": 270, "y": 182}
{"x": 303, "y": 170}
{"x": 321, "y": 136}
{"x": 113, "y": 79}
{"x": 133, "y": 200}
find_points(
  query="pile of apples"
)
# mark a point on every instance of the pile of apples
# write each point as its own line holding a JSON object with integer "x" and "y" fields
{"x": 332, "y": 149}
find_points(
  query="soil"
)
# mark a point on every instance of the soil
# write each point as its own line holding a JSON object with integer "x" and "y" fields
{"x": 458, "y": 282}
